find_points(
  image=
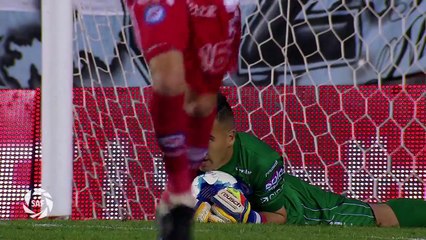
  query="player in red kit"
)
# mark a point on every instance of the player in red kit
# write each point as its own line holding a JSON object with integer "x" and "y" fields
{"x": 189, "y": 45}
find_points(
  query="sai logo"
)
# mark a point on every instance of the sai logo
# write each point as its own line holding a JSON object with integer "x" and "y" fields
{"x": 39, "y": 198}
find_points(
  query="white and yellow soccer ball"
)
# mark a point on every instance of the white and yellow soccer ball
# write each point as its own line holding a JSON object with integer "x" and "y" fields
{"x": 206, "y": 185}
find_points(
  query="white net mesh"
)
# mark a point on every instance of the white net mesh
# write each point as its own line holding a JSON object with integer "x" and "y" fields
{"x": 338, "y": 87}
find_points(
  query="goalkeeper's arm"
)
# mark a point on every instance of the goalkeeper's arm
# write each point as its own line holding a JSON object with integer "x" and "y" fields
{"x": 279, "y": 216}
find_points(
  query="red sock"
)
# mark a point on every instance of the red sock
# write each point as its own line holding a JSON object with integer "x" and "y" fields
{"x": 198, "y": 137}
{"x": 169, "y": 120}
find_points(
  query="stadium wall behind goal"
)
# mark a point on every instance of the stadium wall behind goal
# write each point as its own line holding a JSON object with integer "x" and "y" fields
{"x": 117, "y": 169}
{"x": 327, "y": 107}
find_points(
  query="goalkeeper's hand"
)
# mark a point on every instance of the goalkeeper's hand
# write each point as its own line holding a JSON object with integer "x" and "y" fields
{"x": 231, "y": 206}
{"x": 203, "y": 213}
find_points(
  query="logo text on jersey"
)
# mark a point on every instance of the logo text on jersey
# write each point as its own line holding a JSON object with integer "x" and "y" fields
{"x": 155, "y": 14}
{"x": 275, "y": 180}
{"x": 271, "y": 196}
{"x": 207, "y": 11}
{"x": 272, "y": 168}
{"x": 243, "y": 171}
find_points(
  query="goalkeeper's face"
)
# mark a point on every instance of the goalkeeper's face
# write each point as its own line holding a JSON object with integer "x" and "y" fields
{"x": 220, "y": 147}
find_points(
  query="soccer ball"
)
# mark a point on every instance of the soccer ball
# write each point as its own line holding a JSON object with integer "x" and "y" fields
{"x": 206, "y": 185}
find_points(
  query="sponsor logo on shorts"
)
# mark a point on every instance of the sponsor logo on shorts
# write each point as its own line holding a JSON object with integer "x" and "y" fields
{"x": 275, "y": 180}
{"x": 155, "y": 14}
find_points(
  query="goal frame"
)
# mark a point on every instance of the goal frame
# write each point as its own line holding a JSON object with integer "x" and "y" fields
{"x": 56, "y": 104}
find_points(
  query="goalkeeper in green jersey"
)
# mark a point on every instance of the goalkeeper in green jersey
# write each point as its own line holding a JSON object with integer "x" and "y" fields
{"x": 277, "y": 197}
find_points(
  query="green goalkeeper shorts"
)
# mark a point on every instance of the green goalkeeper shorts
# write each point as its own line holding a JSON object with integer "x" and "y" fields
{"x": 310, "y": 205}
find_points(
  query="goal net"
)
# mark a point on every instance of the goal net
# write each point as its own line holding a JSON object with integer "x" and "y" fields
{"x": 337, "y": 87}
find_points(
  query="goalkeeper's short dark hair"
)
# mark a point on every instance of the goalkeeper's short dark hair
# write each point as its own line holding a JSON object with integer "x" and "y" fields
{"x": 224, "y": 110}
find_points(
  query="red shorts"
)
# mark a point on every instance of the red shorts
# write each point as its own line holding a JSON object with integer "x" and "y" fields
{"x": 206, "y": 31}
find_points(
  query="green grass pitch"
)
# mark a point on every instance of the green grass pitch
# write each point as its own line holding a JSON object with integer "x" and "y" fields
{"x": 47, "y": 229}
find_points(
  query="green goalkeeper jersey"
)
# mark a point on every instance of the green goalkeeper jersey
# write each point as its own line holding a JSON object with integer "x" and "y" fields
{"x": 261, "y": 171}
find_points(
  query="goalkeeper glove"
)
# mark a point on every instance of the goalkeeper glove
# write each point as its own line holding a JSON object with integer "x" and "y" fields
{"x": 202, "y": 212}
{"x": 231, "y": 206}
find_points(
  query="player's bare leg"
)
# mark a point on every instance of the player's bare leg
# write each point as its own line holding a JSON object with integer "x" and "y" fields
{"x": 385, "y": 217}
{"x": 175, "y": 211}
{"x": 402, "y": 212}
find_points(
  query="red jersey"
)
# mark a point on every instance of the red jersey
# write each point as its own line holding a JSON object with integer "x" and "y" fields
{"x": 207, "y": 32}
